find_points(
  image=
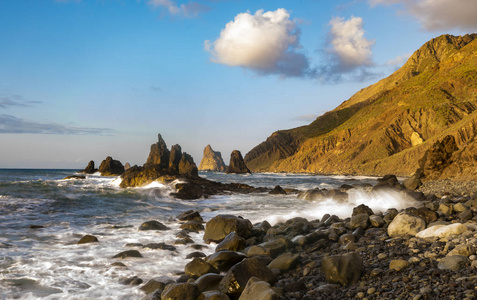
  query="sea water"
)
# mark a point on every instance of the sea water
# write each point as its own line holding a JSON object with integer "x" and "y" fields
{"x": 47, "y": 262}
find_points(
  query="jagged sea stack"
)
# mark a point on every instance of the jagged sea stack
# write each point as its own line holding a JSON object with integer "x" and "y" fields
{"x": 212, "y": 161}
{"x": 159, "y": 154}
{"x": 237, "y": 165}
{"x": 90, "y": 168}
{"x": 111, "y": 167}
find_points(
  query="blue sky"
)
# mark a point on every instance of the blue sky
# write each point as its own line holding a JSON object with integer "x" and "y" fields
{"x": 84, "y": 79}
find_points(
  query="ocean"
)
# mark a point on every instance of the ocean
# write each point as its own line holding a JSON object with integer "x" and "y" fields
{"x": 47, "y": 262}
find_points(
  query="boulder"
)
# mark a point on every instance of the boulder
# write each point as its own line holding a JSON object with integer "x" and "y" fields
{"x": 213, "y": 295}
{"x": 153, "y": 225}
{"x": 406, "y": 224}
{"x": 209, "y": 281}
{"x": 452, "y": 263}
{"x": 343, "y": 269}
{"x": 141, "y": 176}
{"x": 88, "y": 239}
{"x": 258, "y": 289}
{"x": 337, "y": 195}
{"x": 180, "y": 291}
{"x": 221, "y": 225}
{"x": 131, "y": 281}
{"x": 159, "y": 246}
{"x": 187, "y": 165}
{"x": 271, "y": 248}
{"x": 198, "y": 267}
{"x": 277, "y": 190}
{"x": 111, "y": 167}
{"x": 188, "y": 191}
{"x": 359, "y": 221}
{"x": 153, "y": 285}
{"x": 90, "y": 169}
{"x": 175, "y": 157}
{"x": 238, "y": 276}
{"x": 193, "y": 225}
{"x": 376, "y": 221}
{"x": 311, "y": 195}
{"x": 225, "y": 259}
{"x": 190, "y": 215}
{"x": 128, "y": 253}
{"x": 237, "y": 164}
{"x": 398, "y": 264}
{"x": 413, "y": 182}
{"x": 231, "y": 242}
{"x": 211, "y": 161}
{"x": 74, "y": 177}
{"x": 388, "y": 182}
{"x": 159, "y": 154}
{"x": 438, "y": 157}
{"x": 442, "y": 231}
{"x": 362, "y": 209}
{"x": 284, "y": 262}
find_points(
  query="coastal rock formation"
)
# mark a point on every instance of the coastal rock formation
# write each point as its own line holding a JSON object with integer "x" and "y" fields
{"x": 187, "y": 166}
{"x": 111, "y": 167}
{"x": 237, "y": 164}
{"x": 383, "y": 127}
{"x": 175, "y": 157}
{"x": 212, "y": 161}
{"x": 159, "y": 154}
{"x": 90, "y": 169}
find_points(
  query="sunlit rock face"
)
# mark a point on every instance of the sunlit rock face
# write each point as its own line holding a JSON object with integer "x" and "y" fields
{"x": 212, "y": 161}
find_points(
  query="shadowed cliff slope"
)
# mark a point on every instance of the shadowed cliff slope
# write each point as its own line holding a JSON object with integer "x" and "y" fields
{"x": 388, "y": 126}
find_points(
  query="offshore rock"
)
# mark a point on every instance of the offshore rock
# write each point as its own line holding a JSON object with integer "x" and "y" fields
{"x": 237, "y": 164}
{"x": 141, "y": 176}
{"x": 175, "y": 157}
{"x": 90, "y": 168}
{"x": 187, "y": 166}
{"x": 127, "y": 166}
{"x": 212, "y": 161}
{"x": 159, "y": 154}
{"x": 111, "y": 167}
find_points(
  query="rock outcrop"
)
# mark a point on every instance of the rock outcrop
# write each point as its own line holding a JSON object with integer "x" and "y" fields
{"x": 90, "y": 169}
{"x": 383, "y": 127}
{"x": 237, "y": 164}
{"x": 187, "y": 166}
{"x": 111, "y": 167}
{"x": 212, "y": 161}
{"x": 159, "y": 154}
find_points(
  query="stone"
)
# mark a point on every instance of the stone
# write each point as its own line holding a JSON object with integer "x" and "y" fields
{"x": 159, "y": 246}
{"x": 446, "y": 209}
{"x": 111, "y": 167}
{"x": 225, "y": 259}
{"x": 406, "y": 224}
{"x": 258, "y": 289}
{"x": 452, "y": 263}
{"x": 463, "y": 249}
{"x": 427, "y": 214}
{"x": 343, "y": 269}
{"x": 132, "y": 281}
{"x": 212, "y": 161}
{"x": 438, "y": 157}
{"x": 311, "y": 195}
{"x": 88, "y": 239}
{"x": 128, "y": 253}
{"x": 362, "y": 209}
{"x": 187, "y": 166}
{"x": 238, "y": 276}
{"x": 221, "y": 225}
{"x": 198, "y": 267}
{"x": 387, "y": 182}
{"x": 195, "y": 254}
{"x": 277, "y": 190}
{"x": 284, "y": 262}
{"x": 193, "y": 225}
{"x": 90, "y": 169}
{"x": 213, "y": 295}
{"x": 153, "y": 225}
{"x": 237, "y": 164}
{"x": 398, "y": 264}
{"x": 376, "y": 221}
{"x": 360, "y": 221}
{"x": 159, "y": 154}
{"x": 180, "y": 291}
{"x": 231, "y": 242}
{"x": 413, "y": 182}
{"x": 209, "y": 281}
{"x": 153, "y": 285}
{"x": 127, "y": 166}
{"x": 466, "y": 215}
{"x": 189, "y": 216}
{"x": 337, "y": 195}
{"x": 175, "y": 156}
{"x": 459, "y": 207}
{"x": 443, "y": 231}
{"x": 271, "y": 248}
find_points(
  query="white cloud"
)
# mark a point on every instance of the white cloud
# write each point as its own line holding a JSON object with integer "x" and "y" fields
{"x": 439, "y": 14}
{"x": 306, "y": 118}
{"x": 348, "y": 46}
{"x": 398, "y": 61}
{"x": 189, "y": 10}
{"x": 266, "y": 42}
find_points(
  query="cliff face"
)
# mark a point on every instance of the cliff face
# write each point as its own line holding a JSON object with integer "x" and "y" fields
{"x": 212, "y": 160}
{"x": 387, "y": 127}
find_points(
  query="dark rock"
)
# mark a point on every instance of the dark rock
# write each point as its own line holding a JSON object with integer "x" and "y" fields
{"x": 159, "y": 246}
{"x": 187, "y": 165}
{"x": 453, "y": 263}
{"x": 189, "y": 216}
{"x": 213, "y": 295}
{"x": 359, "y": 221}
{"x": 131, "y": 281}
{"x": 180, "y": 291}
{"x": 141, "y": 176}
{"x": 188, "y": 191}
{"x": 221, "y": 225}
{"x": 337, "y": 195}
{"x": 198, "y": 267}
{"x": 237, "y": 164}
{"x": 237, "y": 277}
{"x": 193, "y": 225}
{"x": 362, "y": 209}
{"x": 88, "y": 239}
{"x": 231, "y": 242}
{"x": 153, "y": 225}
{"x": 295, "y": 286}
{"x": 466, "y": 215}
{"x": 195, "y": 254}
{"x": 36, "y": 226}
{"x": 175, "y": 158}
{"x": 438, "y": 157}
{"x": 153, "y": 285}
{"x": 159, "y": 154}
{"x": 156, "y": 295}
{"x": 74, "y": 177}
{"x": 118, "y": 264}
{"x": 343, "y": 269}
{"x": 128, "y": 253}
{"x": 284, "y": 262}
{"x": 311, "y": 195}
{"x": 90, "y": 168}
{"x": 209, "y": 281}
{"x": 277, "y": 190}
{"x": 111, "y": 167}
{"x": 212, "y": 161}
{"x": 258, "y": 289}
{"x": 271, "y": 248}
{"x": 225, "y": 259}
{"x": 388, "y": 182}
{"x": 428, "y": 215}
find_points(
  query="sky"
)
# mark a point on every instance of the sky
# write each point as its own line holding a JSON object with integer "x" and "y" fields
{"x": 84, "y": 79}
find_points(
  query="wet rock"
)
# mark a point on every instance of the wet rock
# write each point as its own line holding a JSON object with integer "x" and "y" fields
{"x": 295, "y": 286}
{"x": 213, "y": 295}
{"x": 209, "y": 281}
{"x": 387, "y": 182}
{"x": 90, "y": 169}
{"x": 153, "y": 285}
{"x": 258, "y": 289}
{"x": 442, "y": 231}
{"x": 153, "y": 225}
{"x": 271, "y": 248}
{"x": 159, "y": 246}
{"x": 156, "y": 295}
{"x": 452, "y": 263}
{"x": 406, "y": 224}
{"x": 284, "y": 262}
{"x": 193, "y": 225}
{"x": 237, "y": 164}
{"x": 111, "y": 167}
{"x": 398, "y": 264}
{"x": 88, "y": 239}
{"x": 427, "y": 214}
{"x": 198, "y": 267}
{"x": 180, "y": 291}
{"x": 231, "y": 242}
{"x": 362, "y": 209}
{"x": 337, "y": 195}
{"x": 118, "y": 264}
{"x": 225, "y": 259}
{"x": 131, "y": 281}
{"x": 311, "y": 195}
{"x": 376, "y": 221}
{"x": 74, "y": 177}
{"x": 237, "y": 277}
{"x": 220, "y": 226}
{"x": 36, "y": 226}
{"x": 188, "y": 191}
{"x": 128, "y": 253}
{"x": 360, "y": 221}
{"x": 190, "y": 215}
{"x": 343, "y": 269}
{"x": 195, "y": 254}
{"x": 277, "y": 190}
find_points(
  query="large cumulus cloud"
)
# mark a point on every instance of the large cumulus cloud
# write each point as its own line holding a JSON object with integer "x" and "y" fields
{"x": 265, "y": 42}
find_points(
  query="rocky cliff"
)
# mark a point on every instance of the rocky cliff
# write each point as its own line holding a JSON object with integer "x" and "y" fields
{"x": 211, "y": 161}
{"x": 388, "y": 126}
